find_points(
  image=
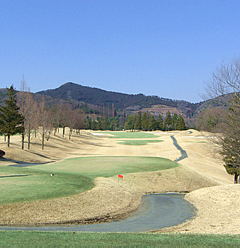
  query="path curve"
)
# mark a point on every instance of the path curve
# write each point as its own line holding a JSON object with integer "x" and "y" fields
{"x": 183, "y": 152}
{"x": 155, "y": 212}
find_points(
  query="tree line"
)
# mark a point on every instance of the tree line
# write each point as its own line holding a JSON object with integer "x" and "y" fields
{"x": 140, "y": 121}
{"x": 23, "y": 115}
{"x": 147, "y": 122}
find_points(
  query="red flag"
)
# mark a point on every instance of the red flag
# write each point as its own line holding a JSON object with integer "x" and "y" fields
{"x": 121, "y": 176}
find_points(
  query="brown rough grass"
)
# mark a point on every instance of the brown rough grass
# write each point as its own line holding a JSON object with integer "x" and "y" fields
{"x": 202, "y": 174}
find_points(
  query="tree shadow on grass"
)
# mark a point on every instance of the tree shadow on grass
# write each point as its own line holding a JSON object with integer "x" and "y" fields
{"x": 21, "y": 163}
{"x": 14, "y": 176}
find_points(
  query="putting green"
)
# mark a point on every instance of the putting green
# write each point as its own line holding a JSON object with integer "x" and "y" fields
{"x": 102, "y": 166}
{"x": 21, "y": 184}
{"x": 71, "y": 176}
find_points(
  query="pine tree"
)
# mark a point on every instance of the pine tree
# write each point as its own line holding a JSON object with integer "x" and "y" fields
{"x": 174, "y": 121}
{"x": 145, "y": 121}
{"x": 105, "y": 125}
{"x": 94, "y": 125}
{"x": 138, "y": 121}
{"x": 130, "y": 123}
{"x": 153, "y": 123}
{"x": 99, "y": 123}
{"x": 160, "y": 122}
{"x": 181, "y": 123}
{"x": 168, "y": 121}
{"x": 12, "y": 122}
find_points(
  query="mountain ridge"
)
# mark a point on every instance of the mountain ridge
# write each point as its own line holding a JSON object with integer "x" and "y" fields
{"x": 102, "y": 101}
{"x": 121, "y": 101}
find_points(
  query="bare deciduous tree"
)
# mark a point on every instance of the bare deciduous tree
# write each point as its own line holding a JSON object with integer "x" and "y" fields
{"x": 28, "y": 108}
{"x": 44, "y": 120}
{"x": 224, "y": 81}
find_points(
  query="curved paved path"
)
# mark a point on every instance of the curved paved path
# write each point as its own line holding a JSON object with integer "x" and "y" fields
{"x": 183, "y": 152}
{"x": 156, "y": 211}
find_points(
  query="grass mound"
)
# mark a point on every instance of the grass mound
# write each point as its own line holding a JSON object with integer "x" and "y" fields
{"x": 102, "y": 166}
{"x": 24, "y": 185}
{"x": 71, "y": 176}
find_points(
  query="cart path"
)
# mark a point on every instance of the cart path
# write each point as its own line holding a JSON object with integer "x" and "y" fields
{"x": 183, "y": 152}
{"x": 155, "y": 212}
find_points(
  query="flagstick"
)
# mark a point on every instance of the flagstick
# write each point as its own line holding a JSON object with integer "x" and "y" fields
{"x": 132, "y": 182}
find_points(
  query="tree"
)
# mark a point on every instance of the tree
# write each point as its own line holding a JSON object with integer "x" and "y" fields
{"x": 88, "y": 123}
{"x": 160, "y": 122}
{"x": 94, "y": 125}
{"x": 181, "y": 123}
{"x": 224, "y": 81}
{"x": 44, "y": 120}
{"x": 138, "y": 121}
{"x": 130, "y": 123}
{"x": 28, "y": 108}
{"x": 79, "y": 120}
{"x": 55, "y": 116}
{"x": 230, "y": 142}
{"x": 105, "y": 125}
{"x": 145, "y": 121}
{"x": 174, "y": 121}
{"x": 12, "y": 122}
{"x": 99, "y": 123}
{"x": 168, "y": 121}
{"x": 152, "y": 123}
{"x": 212, "y": 120}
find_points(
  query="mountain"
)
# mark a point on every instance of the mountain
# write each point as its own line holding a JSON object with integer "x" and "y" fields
{"x": 94, "y": 100}
{"x": 123, "y": 102}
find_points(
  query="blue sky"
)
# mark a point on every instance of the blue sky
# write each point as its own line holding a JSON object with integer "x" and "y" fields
{"x": 167, "y": 48}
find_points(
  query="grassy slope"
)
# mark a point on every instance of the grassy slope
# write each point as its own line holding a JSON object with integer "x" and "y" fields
{"x": 93, "y": 167}
{"x": 71, "y": 176}
{"x": 54, "y": 239}
{"x": 19, "y": 184}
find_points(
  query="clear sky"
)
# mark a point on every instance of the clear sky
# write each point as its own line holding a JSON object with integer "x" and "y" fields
{"x": 167, "y": 48}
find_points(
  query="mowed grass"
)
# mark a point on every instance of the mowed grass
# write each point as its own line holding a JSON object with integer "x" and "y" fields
{"x": 71, "y": 176}
{"x": 103, "y": 166}
{"x": 19, "y": 184}
{"x": 130, "y": 135}
{"x": 138, "y": 142}
{"x": 78, "y": 239}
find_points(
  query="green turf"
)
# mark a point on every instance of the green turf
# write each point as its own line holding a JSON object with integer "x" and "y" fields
{"x": 138, "y": 142}
{"x": 101, "y": 166}
{"x": 71, "y": 176}
{"x": 78, "y": 239}
{"x": 130, "y": 135}
{"x": 19, "y": 184}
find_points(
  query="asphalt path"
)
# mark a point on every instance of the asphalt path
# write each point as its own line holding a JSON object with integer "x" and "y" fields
{"x": 155, "y": 212}
{"x": 183, "y": 152}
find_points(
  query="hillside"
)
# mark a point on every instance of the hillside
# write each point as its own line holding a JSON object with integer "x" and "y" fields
{"x": 96, "y": 100}
{"x": 98, "y": 97}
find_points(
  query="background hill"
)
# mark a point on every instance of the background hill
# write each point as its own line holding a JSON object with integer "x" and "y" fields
{"x": 122, "y": 102}
{"x": 94, "y": 100}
